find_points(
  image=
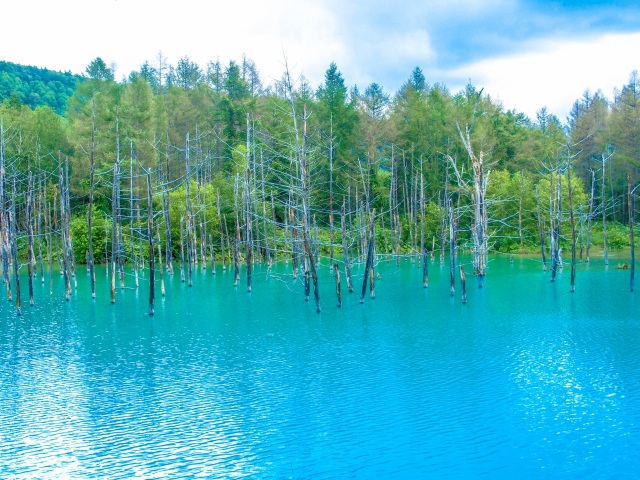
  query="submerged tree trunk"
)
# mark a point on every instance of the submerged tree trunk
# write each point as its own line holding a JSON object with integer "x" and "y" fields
{"x": 30, "y": 251}
{"x": 115, "y": 214}
{"x": 423, "y": 248}
{"x": 222, "y": 234}
{"x": 541, "y": 229}
{"x": 65, "y": 233}
{"x": 309, "y": 253}
{"x": 573, "y": 228}
{"x": 331, "y": 230}
{"x": 368, "y": 268}
{"x": 182, "y": 242}
{"x": 463, "y": 284}
{"x": 345, "y": 247}
{"x": 246, "y": 197}
{"x": 236, "y": 244}
{"x": 162, "y": 289}
{"x": 40, "y": 234}
{"x": 520, "y": 210}
{"x": 134, "y": 256}
{"x": 630, "y": 208}
{"x": 4, "y": 219}
{"x": 14, "y": 248}
{"x": 604, "y": 215}
{"x": 590, "y": 216}
{"x": 444, "y": 208}
{"x": 425, "y": 268}
{"x": 152, "y": 265}
{"x": 72, "y": 258}
{"x": 452, "y": 248}
{"x": 336, "y": 271}
{"x": 90, "y": 259}
{"x": 556, "y": 214}
{"x": 188, "y": 215}
{"x": 249, "y": 232}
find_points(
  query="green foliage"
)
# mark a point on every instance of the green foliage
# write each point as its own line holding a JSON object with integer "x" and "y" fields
{"x": 35, "y": 87}
{"x": 617, "y": 235}
{"x": 207, "y": 211}
{"x": 101, "y": 234}
{"x": 98, "y": 70}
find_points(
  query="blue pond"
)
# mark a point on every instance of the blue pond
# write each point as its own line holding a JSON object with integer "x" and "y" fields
{"x": 525, "y": 380}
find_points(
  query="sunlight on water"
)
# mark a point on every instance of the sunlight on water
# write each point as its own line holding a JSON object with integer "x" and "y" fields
{"x": 525, "y": 380}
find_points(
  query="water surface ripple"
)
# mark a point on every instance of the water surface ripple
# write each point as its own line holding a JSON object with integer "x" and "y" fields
{"x": 525, "y": 380}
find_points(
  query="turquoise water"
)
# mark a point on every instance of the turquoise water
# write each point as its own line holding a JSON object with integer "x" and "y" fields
{"x": 525, "y": 380}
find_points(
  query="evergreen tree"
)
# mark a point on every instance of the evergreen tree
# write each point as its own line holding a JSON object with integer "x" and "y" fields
{"x": 188, "y": 74}
{"x": 98, "y": 70}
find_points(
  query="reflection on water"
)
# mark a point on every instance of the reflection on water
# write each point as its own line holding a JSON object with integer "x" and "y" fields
{"x": 525, "y": 379}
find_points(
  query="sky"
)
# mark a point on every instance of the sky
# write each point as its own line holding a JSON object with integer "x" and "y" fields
{"x": 526, "y": 54}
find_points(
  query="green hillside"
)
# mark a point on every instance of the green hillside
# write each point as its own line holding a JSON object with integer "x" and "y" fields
{"x": 34, "y": 87}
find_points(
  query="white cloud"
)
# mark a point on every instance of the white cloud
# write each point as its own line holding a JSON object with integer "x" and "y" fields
{"x": 68, "y": 34}
{"x": 379, "y": 41}
{"x": 554, "y": 73}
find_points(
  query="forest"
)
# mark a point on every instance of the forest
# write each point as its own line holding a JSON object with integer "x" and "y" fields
{"x": 36, "y": 87}
{"x": 177, "y": 167}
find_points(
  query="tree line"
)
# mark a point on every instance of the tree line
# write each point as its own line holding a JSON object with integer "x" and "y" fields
{"x": 191, "y": 165}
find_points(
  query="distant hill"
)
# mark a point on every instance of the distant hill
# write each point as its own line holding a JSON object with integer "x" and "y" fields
{"x": 36, "y": 87}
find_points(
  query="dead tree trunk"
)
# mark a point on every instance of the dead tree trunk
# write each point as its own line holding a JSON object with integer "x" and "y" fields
{"x": 581, "y": 219}
{"x": 477, "y": 191}
{"x": 182, "y": 241}
{"x": 393, "y": 218}
{"x": 331, "y": 231}
{"x": 444, "y": 209}
{"x": 188, "y": 213}
{"x": 336, "y": 272}
{"x": 249, "y": 229}
{"x": 72, "y": 257}
{"x": 30, "y": 251}
{"x": 115, "y": 215}
{"x": 369, "y": 262}
{"x": 573, "y": 228}
{"x": 307, "y": 280}
{"x": 168, "y": 253}
{"x": 604, "y": 214}
{"x": 630, "y": 208}
{"x": 425, "y": 268}
{"x": 49, "y": 229}
{"x": 221, "y": 225}
{"x": 345, "y": 247}
{"x": 65, "y": 233}
{"x": 14, "y": 248}
{"x": 275, "y": 232}
{"x": 162, "y": 289}
{"x": 236, "y": 245}
{"x": 463, "y": 284}
{"x": 4, "y": 219}
{"x": 590, "y": 216}
{"x": 423, "y": 248}
{"x": 309, "y": 253}
{"x": 152, "y": 265}
{"x": 226, "y": 235}
{"x": 90, "y": 259}
{"x": 40, "y": 234}
{"x": 134, "y": 256}
{"x": 520, "y": 210}
{"x": 541, "y": 230}
{"x": 265, "y": 231}
{"x": 452, "y": 248}
{"x": 555, "y": 227}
